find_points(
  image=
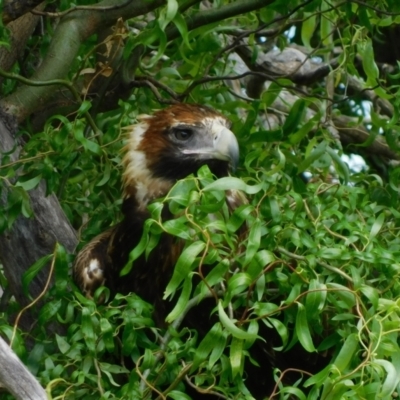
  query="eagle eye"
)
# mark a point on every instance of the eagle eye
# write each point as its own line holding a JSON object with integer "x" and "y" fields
{"x": 183, "y": 134}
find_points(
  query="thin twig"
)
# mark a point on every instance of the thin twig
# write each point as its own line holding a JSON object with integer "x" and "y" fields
{"x": 79, "y": 8}
{"x": 274, "y": 393}
{"x": 377, "y": 10}
{"x": 96, "y": 364}
{"x": 204, "y": 391}
{"x": 157, "y": 83}
{"x": 160, "y": 99}
{"x": 182, "y": 374}
{"x": 24, "y": 160}
{"x": 144, "y": 381}
{"x": 46, "y": 286}
{"x": 320, "y": 262}
{"x": 50, "y": 82}
{"x": 167, "y": 337}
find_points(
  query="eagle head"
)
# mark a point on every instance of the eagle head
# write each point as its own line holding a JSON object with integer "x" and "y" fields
{"x": 173, "y": 143}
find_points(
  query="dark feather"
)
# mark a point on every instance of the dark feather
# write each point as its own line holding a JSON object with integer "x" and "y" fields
{"x": 155, "y": 158}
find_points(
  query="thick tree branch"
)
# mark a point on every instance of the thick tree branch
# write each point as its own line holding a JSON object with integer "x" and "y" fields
{"x": 14, "y": 9}
{"x": 351, "y": 135}
{"x": 289, "y": 63}
{"x": 355, "y": 85}
{"x": 20, "y": 31}
{"x": 16, "y": 377}
{"x": 72, "y": 30}
{"x": 78, "y": 25}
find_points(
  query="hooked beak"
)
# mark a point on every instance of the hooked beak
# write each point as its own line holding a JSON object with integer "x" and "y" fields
{"x": 226, "y": 146}
{"x": 222, "y": 145}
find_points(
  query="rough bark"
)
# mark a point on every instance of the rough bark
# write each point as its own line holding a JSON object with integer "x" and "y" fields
{"x": 14, "y": 9}
{"x": 73, "y": 29}
{"x": 292, "y": 63}
{"x": 20, "y": 31}
{"x": 30, "y": 238}
{"x": 16, "y": 378}
{"x": 289, "y": 63}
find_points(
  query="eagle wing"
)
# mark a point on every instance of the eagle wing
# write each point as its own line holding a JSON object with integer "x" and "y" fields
{"x": 92, "y": 262}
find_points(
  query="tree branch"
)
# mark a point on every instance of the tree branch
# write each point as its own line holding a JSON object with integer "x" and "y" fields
{"x": 214, "y": 15}
{"x": 16, "y": 377}
{"x": 20, "y": 31}
{"x": 72, "y": 30}
{"x": 14, "y": 9}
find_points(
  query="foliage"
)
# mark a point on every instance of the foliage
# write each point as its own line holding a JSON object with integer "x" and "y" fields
{"x": 317, "y": 267}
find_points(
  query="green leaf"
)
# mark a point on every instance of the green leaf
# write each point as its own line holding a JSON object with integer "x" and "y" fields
{"x": 172, "y": 9}
{"x": 139, "y": 248}
{"x": 182, "y": 301}
{"x": 265, "y": 136}
{"x": 295, "y": 117}
{"x": 49, "y": 310}
{"x": 216, "y": 275}
{"x": 340, "y": 165}
{"x": 84, "y": 107}
{"x": 61, "y": 265}
{"x": 239, "y": 215}
{"x": 108, "y": 335}
{"x": 176, "y": 395}
{"x": 346, "y": 353}
{"x": 377, "y": 225}
{"x": 30, "y": 273}
{"x": 180, "y": 23}
{"x": 219, "y": 345}
{"x": 371, "y": 294}
{"x": 271, "y": 94}
{"x": 391, "y": 381}
{"x": 184, "y": 266}
{"x": 106, "y": 175}
{"x": 343, "y": 293}
{"x": 368, "y": 62}
{"x": 214, "y": 342}
{"x": 231, "y": 327}
{"x": 325, "y": 25}
{"x": 63, "y": 345}
{"x": 18, "y": 344}
{"x": 315, "y": 155}
{"x": 177, "y": 227}
{"x": 236, "y": 357}
{"x": 89, "y": 145}
{"x": 316, "y": 297}
{"x": 253, "y": 243}
{"x": 239, "y": 282}
{"x": 307, "y": 29}
{"x": 87, "y": 330}
{"x": 303, "y": 330}
{"x": 301, "y": 133}
{"x": 282, "y": 331}
{"x": 29, "y": 184}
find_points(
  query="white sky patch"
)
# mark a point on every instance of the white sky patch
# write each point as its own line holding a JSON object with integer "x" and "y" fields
{"x": 291, "y": 32}
{"x": 365, "y": 110}
{"x": 355, "y": 162}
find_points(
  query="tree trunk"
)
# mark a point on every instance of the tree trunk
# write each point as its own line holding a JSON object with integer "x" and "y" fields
{"x": 30, "y": 238}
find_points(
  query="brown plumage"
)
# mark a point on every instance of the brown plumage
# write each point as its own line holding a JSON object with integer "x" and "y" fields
{"x": 162, "y": 148}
